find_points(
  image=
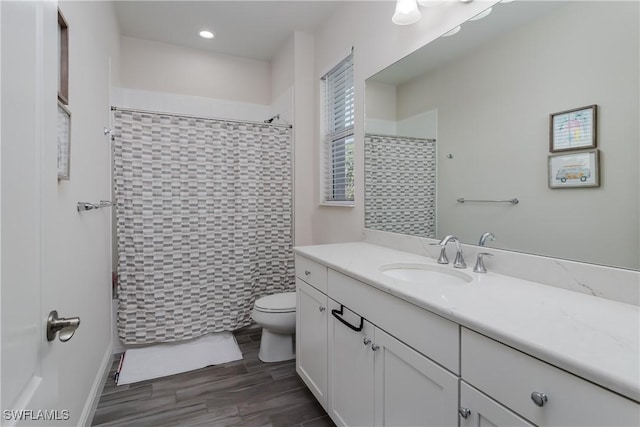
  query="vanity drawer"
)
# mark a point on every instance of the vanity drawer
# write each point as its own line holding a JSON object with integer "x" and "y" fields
{"x": 510, "y": 377}
{"x": 311, "y": 272}
{"x": 430, "y": 334}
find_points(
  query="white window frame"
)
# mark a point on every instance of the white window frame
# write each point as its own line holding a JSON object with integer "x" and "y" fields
{"x": 338, "y": 135}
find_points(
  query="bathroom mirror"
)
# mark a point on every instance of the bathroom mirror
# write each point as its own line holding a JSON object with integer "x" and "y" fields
{"x": 485, "y": 95}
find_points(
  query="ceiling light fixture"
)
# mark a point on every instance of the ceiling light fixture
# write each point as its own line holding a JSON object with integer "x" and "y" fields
{"x": 206, "y": 34}
{"x": 406, "y": 13}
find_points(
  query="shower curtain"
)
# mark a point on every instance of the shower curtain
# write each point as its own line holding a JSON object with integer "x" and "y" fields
{"x": 204, "y": 223}
{"x": 400, "y": 184}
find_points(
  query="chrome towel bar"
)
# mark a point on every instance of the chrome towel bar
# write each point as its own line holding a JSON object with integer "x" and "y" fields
{"x": 86, "y": 206}
{"x": 513, "y": 201}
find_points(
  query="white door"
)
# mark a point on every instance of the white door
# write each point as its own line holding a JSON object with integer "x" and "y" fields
{"x": 350, "y": 368}
{"x": 410, "y": 389}
{"x": 311, "y": 339}
{"x": 27, "y": 131}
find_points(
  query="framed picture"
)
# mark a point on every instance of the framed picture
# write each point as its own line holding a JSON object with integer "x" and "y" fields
{"x": 63, "y": 59}
{"x": 580, "y": 169}
{"x": 573, "y": 129}
{"x": 64, "y": 141}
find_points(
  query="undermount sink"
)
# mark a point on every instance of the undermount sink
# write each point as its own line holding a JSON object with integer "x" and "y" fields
{"x": 426, "y": 274}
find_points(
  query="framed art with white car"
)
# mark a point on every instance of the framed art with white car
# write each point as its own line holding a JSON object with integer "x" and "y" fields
{"x": 578, "y": 169}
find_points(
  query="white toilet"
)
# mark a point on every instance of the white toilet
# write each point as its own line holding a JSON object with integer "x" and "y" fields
{"x": 277, "y": 316}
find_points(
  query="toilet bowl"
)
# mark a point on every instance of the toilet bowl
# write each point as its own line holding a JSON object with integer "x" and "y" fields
{"x": 277, "y": 316}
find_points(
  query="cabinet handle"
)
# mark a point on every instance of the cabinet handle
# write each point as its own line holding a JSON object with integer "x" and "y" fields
{"x": 321, "y": 308}
{"x": 366, "y": 341}
{"x": 539, "y": 398}
{"x": 374, "y": 347}
{"x": 464, "y": 412}
{"x": 338, "y": 313}
{"x": 307, "y": 273}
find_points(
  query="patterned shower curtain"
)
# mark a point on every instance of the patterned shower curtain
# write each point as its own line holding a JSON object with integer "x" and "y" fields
{"x": 400, "y": 184}
{"x": 204, "y": 223}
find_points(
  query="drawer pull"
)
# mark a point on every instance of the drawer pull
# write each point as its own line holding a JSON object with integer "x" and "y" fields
{"x": 539, "y": 398}
{"x": 307, "y": 273}
{"x": 464, "y": 412}
{"x": 366, "y": 341}
{"x": 338, "y": 313}
{"x": 321, "y": 308}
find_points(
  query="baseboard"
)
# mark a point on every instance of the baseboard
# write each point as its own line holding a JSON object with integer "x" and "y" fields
{"x": 96, "y": 389}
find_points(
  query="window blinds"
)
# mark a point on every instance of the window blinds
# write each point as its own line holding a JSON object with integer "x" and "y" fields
{"x": 339, "y": 114}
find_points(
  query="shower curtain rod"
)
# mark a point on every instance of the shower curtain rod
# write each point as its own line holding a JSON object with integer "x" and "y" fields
{"x": 397, "y": 136}
{"x": 134, "y": 110}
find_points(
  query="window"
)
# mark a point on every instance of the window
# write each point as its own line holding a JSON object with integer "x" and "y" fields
{"x": 338, "y": 142}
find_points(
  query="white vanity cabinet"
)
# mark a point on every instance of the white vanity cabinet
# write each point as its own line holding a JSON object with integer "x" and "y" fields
{"x": 538, "y": 391}
{"x": 311, "y": 328}
{"x": 402, "y": 364}
{"x": 376, "y": 380}
{"x": 363, "y": 375}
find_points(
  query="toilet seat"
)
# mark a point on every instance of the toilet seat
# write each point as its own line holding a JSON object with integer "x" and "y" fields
{"x": 278, "y": 303}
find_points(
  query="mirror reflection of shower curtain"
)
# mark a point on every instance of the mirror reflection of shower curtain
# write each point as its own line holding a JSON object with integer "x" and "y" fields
{"x": 400, "y": 184}
{"x": 204, "y": 223}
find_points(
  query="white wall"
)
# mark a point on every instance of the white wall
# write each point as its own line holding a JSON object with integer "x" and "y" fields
{"x": 422, "y": 125}
{"x": 79, "y": 244}
{"x": 292, "y": 90}
{"x": 162, "y": 67}
{"x": 500, "y": 147}
{"x": 282, "y": 81}
{"x": 380, "y": 108}
{"x": 377, "y": 43}
{"x": 304, "y": 134}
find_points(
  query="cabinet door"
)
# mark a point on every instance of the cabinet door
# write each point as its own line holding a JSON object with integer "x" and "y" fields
{"x": 411, "y": 390}
{"x": 484, "y": 411}
{"x": 311, "y": 339}
{"x": 350, "y": 370}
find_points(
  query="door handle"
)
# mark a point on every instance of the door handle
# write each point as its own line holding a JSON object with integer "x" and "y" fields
{"x": 66, "y": 326}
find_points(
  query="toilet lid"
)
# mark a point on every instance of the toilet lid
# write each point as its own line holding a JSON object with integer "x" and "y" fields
{"x": 285, "y": 301}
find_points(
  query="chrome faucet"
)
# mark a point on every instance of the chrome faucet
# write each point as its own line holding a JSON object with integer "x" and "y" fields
{"x": 485, "y": 236}
{"x": 459, "y": 261}
{"x": 480, "y": 267}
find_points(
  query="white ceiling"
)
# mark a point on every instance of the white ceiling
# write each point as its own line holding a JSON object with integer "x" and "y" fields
{"x": 252, "y": 29}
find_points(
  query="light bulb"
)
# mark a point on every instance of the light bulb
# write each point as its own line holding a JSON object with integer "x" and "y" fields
{"x": 206, "y": 34}
{"x": 406, "y": 13}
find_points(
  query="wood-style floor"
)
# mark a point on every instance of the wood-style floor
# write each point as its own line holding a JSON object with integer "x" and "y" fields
{"x": 247, "y": 393}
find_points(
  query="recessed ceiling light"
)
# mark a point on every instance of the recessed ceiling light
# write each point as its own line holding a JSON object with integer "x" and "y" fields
{"x": 206, "y": 34}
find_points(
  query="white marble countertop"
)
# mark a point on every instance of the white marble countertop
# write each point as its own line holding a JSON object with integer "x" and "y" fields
{"x": 594, "y": 338}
